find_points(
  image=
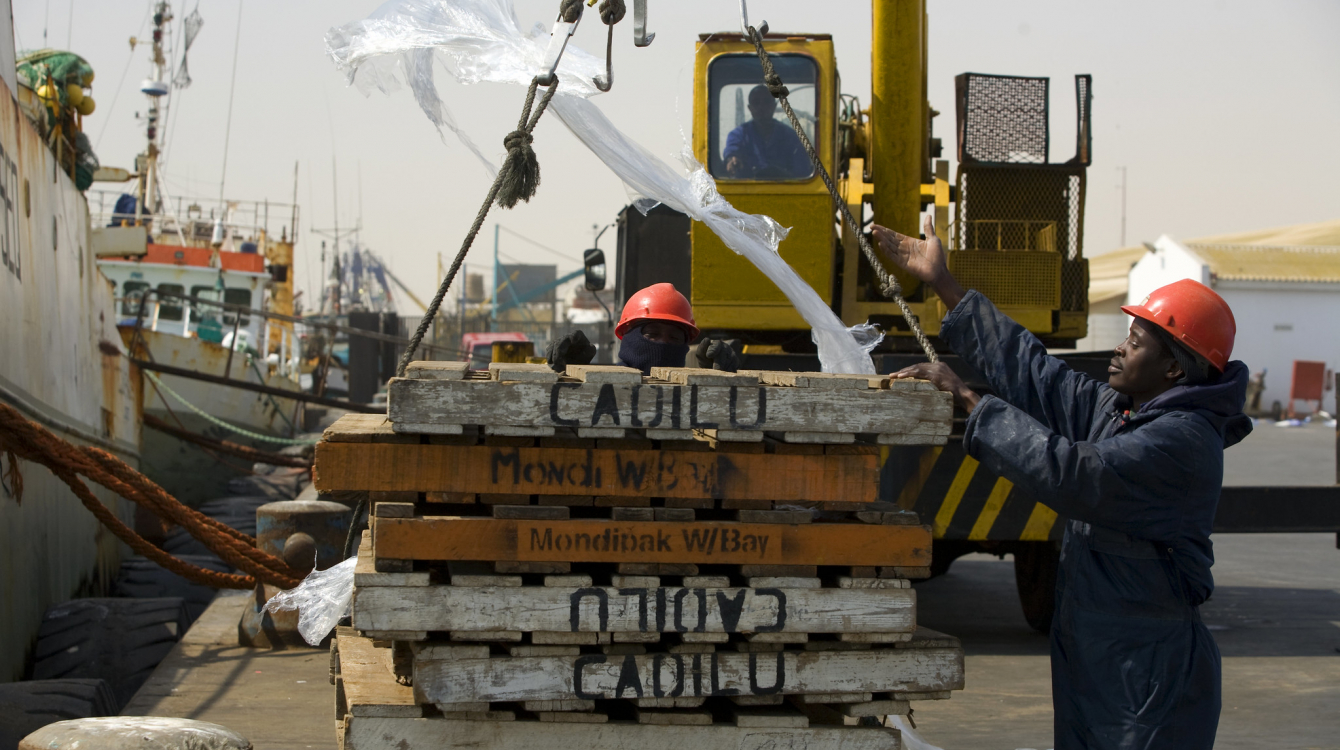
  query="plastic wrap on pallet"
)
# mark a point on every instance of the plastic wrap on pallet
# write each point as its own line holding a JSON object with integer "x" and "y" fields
{"x": 321, "y": 600}
{"x": 482, "y": 41}
{"x": 911, "y": 740}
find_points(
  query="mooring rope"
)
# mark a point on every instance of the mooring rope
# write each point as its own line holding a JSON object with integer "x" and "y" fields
{"x": 22, "y": 438}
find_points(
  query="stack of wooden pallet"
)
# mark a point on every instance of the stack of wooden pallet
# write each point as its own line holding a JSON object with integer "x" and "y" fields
{"x": 579, "y": 561}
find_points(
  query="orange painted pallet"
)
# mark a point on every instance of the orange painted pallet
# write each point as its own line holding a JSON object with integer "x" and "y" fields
{"x": 381, "y": 467}
{"x": 607, "y": 541}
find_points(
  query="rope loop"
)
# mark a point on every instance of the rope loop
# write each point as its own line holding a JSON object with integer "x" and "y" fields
{"x": 570, "y": 10}
{"x": 517, "y": 180}
{"x": 612, "y": 11}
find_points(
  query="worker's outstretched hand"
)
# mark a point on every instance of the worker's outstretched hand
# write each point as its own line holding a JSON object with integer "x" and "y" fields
{"x": 944, "y": 379}
{"x": 924, "y": 259}
{"x": 572, "y": 349}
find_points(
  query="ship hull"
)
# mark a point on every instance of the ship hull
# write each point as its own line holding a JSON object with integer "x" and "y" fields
{"x": 56, "y": 308}
{"x": 188, "y": 471}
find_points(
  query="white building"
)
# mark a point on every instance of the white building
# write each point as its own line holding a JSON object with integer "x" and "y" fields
{"x": 1283, "y": 286}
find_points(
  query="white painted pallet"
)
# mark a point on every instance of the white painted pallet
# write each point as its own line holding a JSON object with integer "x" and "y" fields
{"x": 772, "y": 605}
{"x": 365, "y": 733}
{"x": 601, "y": 676}
{"x": 733, "y": 403}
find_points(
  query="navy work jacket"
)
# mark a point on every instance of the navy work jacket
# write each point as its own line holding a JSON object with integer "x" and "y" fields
{"x": 1133, "y": 666}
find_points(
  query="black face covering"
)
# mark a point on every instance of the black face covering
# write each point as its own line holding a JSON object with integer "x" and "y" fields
{"x": 636, "y": 350}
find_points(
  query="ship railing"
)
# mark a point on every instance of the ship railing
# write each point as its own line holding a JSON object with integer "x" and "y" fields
{"x": 288, "y": 351}
{"x": 192, "y": 221}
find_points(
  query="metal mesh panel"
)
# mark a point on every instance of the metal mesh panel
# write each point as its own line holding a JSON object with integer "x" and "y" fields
{"x": 1002, "y": 119}
{"x": 1022, "y": 279}
{"x": 1012, "y": 208}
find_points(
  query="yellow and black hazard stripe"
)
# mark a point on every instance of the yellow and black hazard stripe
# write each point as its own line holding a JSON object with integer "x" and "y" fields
{"x": 960, "y": 499}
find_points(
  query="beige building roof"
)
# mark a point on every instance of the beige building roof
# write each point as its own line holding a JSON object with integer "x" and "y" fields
{"x": 1270, "y": 263}
{"x": 1301, "y": 253}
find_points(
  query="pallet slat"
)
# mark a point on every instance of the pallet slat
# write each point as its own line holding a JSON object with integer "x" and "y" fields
{"x": 601, "y": 676}
{"x": 598, "y": 540}
{"x": 731, "y": 405}
{"x": 486, "y": 469}
{"x": 441, "y": 734}
{"x": 640, "y": 610}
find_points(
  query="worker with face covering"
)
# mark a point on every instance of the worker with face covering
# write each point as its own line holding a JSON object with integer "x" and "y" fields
{"x": 1134, "y": 466}
{"x": 654, "y": 330}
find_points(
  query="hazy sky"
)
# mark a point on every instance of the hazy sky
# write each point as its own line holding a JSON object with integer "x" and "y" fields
{"x": 1225, "y": 113}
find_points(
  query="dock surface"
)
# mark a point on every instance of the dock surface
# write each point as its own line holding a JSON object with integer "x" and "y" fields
{"x": 280, "y": 700}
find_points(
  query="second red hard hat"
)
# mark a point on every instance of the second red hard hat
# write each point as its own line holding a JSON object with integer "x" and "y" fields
{"x": 1194, "y": 315}
{"x": 657, "y": 302}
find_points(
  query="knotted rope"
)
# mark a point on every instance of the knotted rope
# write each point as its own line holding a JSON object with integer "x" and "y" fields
{"x": 517, "y": 180}
{"x": 889, "y": 285}
{"x": 32, "y": 442}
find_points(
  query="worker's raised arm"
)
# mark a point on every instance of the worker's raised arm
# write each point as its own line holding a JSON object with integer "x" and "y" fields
{"x": 1143, "y": 483}
{"x": 1013, "y": 360}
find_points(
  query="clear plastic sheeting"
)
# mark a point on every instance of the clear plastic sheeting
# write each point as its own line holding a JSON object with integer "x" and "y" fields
{"x": 482, "y": 41}
{"x": 321, "y": 600}
{"x": 911, "y": 740}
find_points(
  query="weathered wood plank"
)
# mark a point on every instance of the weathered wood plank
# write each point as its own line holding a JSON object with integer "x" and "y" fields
{"x": 363, "y": 428}
{"x": 522, "y": 372}
{"x": 637, "y": 609}
{"x": 412, "y": 429}
{"x": 527, "y": 471}
{"x": 370, "y": 689}
{"x": 441, "y": 734}
{"x": 699, "y": 376}
{"x": 432, "y": 370}
{"x": 732, "y": 407}
{"x": 366, "y": 575}
{"x": 605, "y": 374}
{"x": 598, "y": 676}
{"x": 823, "y": 438}
{"x": 821, "y": 381}
{"x": 599, "y": 540}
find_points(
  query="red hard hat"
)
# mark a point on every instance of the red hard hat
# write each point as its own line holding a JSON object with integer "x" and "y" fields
{"x": 1195, "y": 316}
{"x": 657, "y": 302}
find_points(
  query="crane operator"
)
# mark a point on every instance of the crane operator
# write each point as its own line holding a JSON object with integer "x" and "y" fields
{"x": 763, "y": 148}
{"x": 1135, "y": 465}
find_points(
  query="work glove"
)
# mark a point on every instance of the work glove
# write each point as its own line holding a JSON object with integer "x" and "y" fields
{"x": 716, "y": 354}
{"x": 572, "y": 349}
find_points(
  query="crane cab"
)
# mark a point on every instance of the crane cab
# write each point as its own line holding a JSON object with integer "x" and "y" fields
{"x": 747, "y": 145}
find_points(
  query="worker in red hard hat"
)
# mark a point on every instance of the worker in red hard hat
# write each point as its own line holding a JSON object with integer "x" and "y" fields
{"x": 1135, "y": 467}
{"x": 655, "y": 330}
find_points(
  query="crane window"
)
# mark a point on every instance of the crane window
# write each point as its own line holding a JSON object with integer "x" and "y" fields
{"x": 749, "y": 136}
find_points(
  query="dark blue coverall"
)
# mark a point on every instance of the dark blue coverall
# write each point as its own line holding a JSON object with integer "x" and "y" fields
{"x": 1133, "y": 666}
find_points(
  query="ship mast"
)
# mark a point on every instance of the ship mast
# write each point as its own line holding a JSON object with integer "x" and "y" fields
{"x": 155, "y": 88}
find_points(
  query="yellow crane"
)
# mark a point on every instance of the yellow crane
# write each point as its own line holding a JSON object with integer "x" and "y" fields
{"x": 1017, "y": 235}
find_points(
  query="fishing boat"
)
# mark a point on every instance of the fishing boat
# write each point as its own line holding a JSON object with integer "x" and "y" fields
{"x": 194, "y": 281}
{"x": 195, "y": 309}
